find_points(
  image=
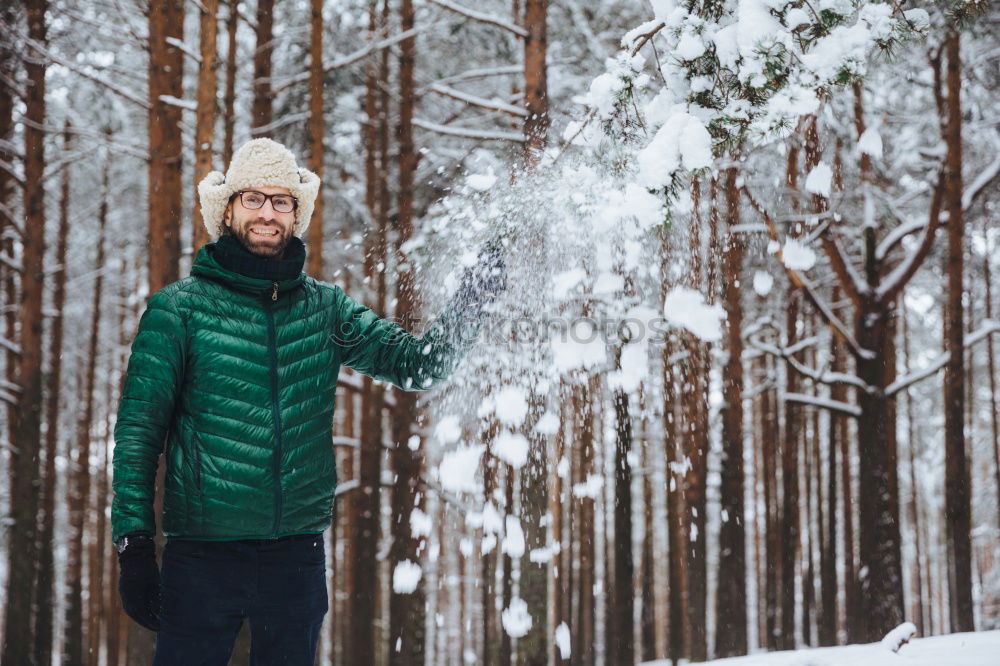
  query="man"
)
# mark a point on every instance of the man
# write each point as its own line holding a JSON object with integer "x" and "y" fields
{"x": 235, "y": 368}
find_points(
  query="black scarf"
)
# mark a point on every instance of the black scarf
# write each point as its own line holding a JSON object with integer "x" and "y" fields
{"x": 231, "y": 255}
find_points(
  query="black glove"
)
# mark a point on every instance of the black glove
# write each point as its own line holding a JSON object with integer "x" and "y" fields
{"x": 139, "y": 581}
{"x": 483, "y": 283}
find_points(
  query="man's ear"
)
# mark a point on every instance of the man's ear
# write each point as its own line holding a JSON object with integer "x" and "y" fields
{"x": 227, "y": 215}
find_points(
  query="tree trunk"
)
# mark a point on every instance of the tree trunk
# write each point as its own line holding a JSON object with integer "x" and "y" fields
{"x": 790, "y": 485}
{"x": 407, "y": 612}
{"x": 532, "y": 648}
{"x": 21, "y": 538}
{"x": 166, "y": 65}
{"x": 695, "y": 440}
{"x": 45, "y": 580}
{"x": 488, "y": 563}
{"x": 79, "y": 496}
{"x": 772, "y": 511}
{"x": 366, "y": 500}
{"x": 561, "y": 568}
{"x": 647, "y": 566}
{"x": 316, "y": 130}
{"x": 584, "y": 626}
{"x": 204, "y": 132}
{"x": 676, "y": 569}
{"x": 828, "y": 552}
{"x": 9, "y": 61}
{"x": 913, "y": 506}
{"x": 229, "y": 101}
{"x": 507, "y": 567}
{"x": 879, "y": 574}
{"x": 991, "y": 368}
{"x": 731, "y": 625}
{"x": 262, "y": 112}
{"x": 957, "y": 508}
{"x": 536, "y": 101}
{"x": 620, "y": 642}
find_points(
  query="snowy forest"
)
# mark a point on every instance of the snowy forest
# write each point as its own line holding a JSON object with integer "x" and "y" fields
{"x": 740, "y": 396}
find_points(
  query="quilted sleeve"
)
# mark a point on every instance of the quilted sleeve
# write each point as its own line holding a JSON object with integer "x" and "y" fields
{"x": 385, "y": 351}
{"x": 152, "y": 382}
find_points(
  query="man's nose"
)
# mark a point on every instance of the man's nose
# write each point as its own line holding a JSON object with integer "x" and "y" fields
{"x": 267, "y": 211}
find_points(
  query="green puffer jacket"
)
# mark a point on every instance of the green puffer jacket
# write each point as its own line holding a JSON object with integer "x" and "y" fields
{"x": 238, "y": 376}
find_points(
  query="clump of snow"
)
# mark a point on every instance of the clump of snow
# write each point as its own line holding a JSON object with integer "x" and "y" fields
{"x": 797, "y": 256}
{"x": 513, "y": 540}
{"x": 590, "y": 488}
{"x": 448, "y": 430}
{"x": 548, "y": 424}
{"x": 634, "y": 362}
{"x": 870, "y": 143}
{"x": 608, "y": 283}
{"x": 795, "y": 17}
{"x": 511, "y": 405}
{"x": 457, "y": 471}
{"x": 512, "y": 448}
{"x": 515, "y": 618}
{"x": 405, "y": 577}
{"x": 762, "y": 283}
{"x": 690, "y": 46}
{"x": 420, "y": 523}
{"x": 683, "y": 141}
{"x": 899, "y": 636}
{"x": 820, "y": 179}
{"x": 581, "y": 347}
{"x": 567, "y": 280}
{"x": 687, "y": 308}
{"x": 482, "y": 181}
{"x": 562, "y": 640}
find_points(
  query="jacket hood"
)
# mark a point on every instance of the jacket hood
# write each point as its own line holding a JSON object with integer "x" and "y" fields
{"x": 206, "y": 265}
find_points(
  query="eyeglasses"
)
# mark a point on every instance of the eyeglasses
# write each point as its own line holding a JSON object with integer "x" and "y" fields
{"x": 254, "y": 200}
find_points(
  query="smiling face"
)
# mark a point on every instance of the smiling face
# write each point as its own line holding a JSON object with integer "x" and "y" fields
{"x": 264, "y": 231}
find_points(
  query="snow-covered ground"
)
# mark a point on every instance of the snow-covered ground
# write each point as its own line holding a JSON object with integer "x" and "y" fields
{"x": 981, "y": 648}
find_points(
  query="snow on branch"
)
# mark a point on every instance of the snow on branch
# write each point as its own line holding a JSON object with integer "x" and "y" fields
{"x": 12, "y": 172}
{"x": 187, "y": 104}
{"x": 482, "y": 102}
{"x": 978, "y": 186}
{"x": 480, "y": 73}
{"x": 12, "y": 219}
{"x": 800, "y": 280}
{"x": 353, "y": 57}
{"x": 121, "y": 92}
{"x": 896, "y": 236}
{"x": 287, "y": 119}
{"x": 8, "y": 398}
{"x": 902, "y": 273}
{"x": 823, "y": 403}
{"x": 12, "y": 347}
{"x": 821, "y": 376}
{"x": 469, "y": 133}
{"x": 849, "y": 278}
{"x": 11, "y": 263}
{"x": 988, "y": 328}
{"x": 185, "y": 49}
{"x": 482, "y": 17}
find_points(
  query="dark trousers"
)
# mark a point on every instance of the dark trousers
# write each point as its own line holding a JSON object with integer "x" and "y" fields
{"x": 209, "y": 587}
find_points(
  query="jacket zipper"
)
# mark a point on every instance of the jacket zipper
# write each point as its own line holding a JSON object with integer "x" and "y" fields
{"x": 272, "y": 348}
{"x": 197, "y": 461}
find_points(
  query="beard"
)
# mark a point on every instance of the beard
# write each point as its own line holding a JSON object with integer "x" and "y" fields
{"x": 271, "y": 248}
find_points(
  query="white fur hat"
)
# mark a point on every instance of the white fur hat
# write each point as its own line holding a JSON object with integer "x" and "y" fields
{"x": 258, "y": 163}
